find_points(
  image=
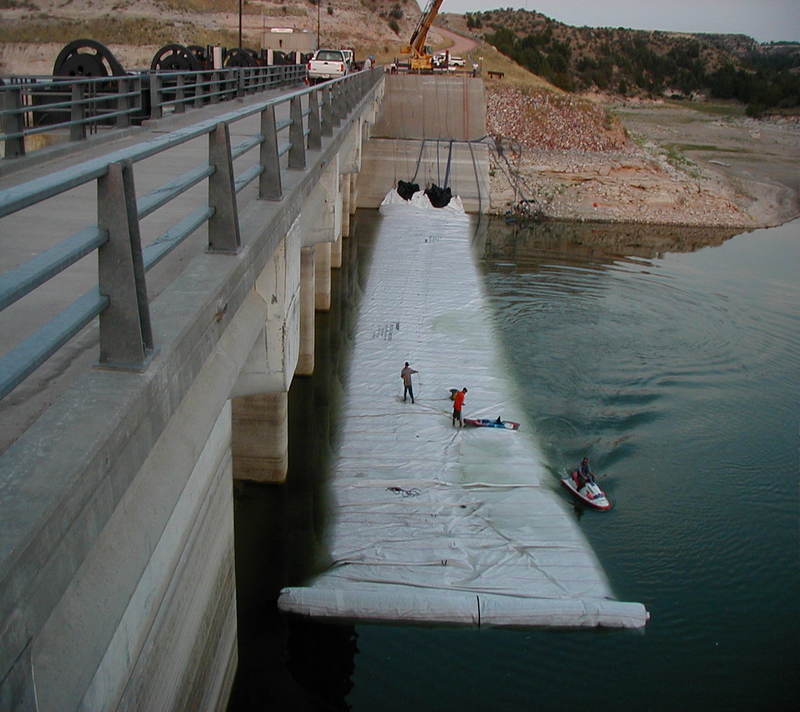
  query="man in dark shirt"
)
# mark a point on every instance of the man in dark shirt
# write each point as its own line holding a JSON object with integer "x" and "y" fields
{"x": 584, "y": 473}
{"x": 405, "y": 374}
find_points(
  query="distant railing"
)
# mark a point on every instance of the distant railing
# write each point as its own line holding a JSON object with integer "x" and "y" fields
{"x": 120, "y": 297}
{"x": 176, "y": 91}
{"x": 75, "y": 107}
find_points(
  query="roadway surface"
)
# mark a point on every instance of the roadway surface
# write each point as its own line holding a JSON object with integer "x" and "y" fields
{"x": 460, "y": 45}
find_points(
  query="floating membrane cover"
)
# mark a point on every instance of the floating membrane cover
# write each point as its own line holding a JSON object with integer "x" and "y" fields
{"x": 431, "y": 523}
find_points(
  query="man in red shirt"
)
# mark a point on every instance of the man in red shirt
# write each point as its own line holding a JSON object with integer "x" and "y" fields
{"x": 458, "y": 402}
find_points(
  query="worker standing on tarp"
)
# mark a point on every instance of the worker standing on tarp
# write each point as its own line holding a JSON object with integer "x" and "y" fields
{"x": 458, "y": 404}
{"x": 405, "y": 374}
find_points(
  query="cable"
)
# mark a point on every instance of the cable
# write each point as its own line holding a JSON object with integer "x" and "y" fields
{"x": 477, "y": 181}
{"x": 447, "y": 170}
{"x": 419, "y": 159}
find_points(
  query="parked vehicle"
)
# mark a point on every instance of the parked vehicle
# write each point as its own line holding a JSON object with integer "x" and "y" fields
{"x": 446, "y": 61}
{"x": 327, "y": 64}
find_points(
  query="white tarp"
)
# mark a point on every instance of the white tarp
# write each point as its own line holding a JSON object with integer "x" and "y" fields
{"x": 431, "y": 522}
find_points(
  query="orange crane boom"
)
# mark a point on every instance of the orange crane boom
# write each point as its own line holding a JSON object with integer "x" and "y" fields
{"x": 420, "y": 54}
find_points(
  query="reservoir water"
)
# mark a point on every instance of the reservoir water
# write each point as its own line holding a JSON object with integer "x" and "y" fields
{"x": 671, "y": 357}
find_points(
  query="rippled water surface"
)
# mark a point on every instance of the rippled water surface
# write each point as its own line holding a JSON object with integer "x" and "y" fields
{"x": 672, "y": 358}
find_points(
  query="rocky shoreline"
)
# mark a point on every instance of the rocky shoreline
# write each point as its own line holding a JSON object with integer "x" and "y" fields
{"x": 565, "y": 158}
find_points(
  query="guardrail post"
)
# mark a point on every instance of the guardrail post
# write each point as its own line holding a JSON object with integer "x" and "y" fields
{"x": 297, "y": 150}
{"x": 327, "y": 112}
{"x": 199, "y": 90}
{"x": 338, "y": 104}
{"x": 126, "y": 338}
{"x": 156, "y": 111}
{"x": 314, "y": 126}
{"x": 77, "y": 131}
{"x": 269, "y": 183}
{"x": 223, "y": 225}
{"x": 13, "y": 122}
{"x": 240, "y": 89}
{"x": 348, "y": 95}
{"x": 180, "y": 95}
{"x": 123, "y": 104}
{"x": 214, "y": 88}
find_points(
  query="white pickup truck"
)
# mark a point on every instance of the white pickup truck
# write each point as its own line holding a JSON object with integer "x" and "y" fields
{"x": 326, "y": 64}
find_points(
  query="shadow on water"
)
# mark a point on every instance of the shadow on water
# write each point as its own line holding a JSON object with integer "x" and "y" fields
{"x": 530, "y": 248}
{"x": 291, "y": 661}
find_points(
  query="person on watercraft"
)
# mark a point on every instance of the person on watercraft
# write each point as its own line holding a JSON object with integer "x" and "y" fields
{"x": 584, "y": 473}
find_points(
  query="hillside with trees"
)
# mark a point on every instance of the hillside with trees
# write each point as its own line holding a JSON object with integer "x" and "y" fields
{"x": 641, "y": 63}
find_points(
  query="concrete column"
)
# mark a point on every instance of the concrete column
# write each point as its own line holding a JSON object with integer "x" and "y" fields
{"x": 353, "y": 192}
{"x": 260, "y": 437}
{"x": 322, "y": 276}
{"x": 259, "y": 441}
{"x": 346, "y": 184}
{"x": 336, "y": 253}
{"x": 305, "y": 361}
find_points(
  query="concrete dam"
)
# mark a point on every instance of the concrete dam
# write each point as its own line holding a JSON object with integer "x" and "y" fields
{"x": 117, "y": 578}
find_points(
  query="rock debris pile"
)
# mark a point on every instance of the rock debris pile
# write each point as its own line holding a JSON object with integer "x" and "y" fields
{"x": 544, "y": 120}
{"x": 571, "y": 160}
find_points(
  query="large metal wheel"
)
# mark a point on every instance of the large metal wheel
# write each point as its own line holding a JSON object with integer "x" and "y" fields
{"x": 201, "y": 55}
{"x": 241, "y": 57}
{"x": 175, "y": 58}
{"x": 87, "y": 58}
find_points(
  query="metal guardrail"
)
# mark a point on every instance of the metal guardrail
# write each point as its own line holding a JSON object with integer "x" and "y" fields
{"x": 178, "y": 90}
{"x": 120, "y": 297}
{"x": 77, "y": 106}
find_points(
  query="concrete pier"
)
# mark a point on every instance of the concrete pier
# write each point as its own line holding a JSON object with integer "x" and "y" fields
{"x": 305, "y": 361}
{"x": 260, "y": 437}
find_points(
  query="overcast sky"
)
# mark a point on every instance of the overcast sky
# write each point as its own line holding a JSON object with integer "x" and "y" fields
{"x": 764, "y": 20}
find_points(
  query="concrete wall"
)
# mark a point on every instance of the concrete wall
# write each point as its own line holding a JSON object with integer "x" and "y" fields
{"x": 117, "y": 586}
{"x": 428, "y": 131}
{"x": 432, "y": 106}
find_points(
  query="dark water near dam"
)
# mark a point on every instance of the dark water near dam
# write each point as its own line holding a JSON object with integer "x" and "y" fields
{"x": 672, "y": 358}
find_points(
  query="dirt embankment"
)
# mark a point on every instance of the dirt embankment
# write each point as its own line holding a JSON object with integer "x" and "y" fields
{"x": 647, "y": 163}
